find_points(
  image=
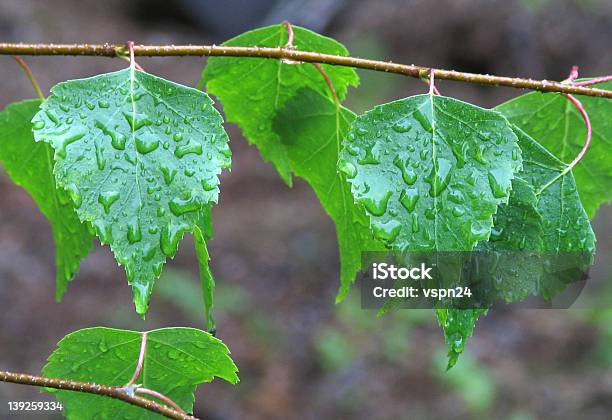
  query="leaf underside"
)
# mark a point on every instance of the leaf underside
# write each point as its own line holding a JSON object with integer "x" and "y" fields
{"x": 557, "y": 125}
{"x": 140, "y": 157}
{"x": 176, "y": 361}
{"x": 254, "y": 90}
{"x": 30, "y": 165}
{"x": 312, "y": 129}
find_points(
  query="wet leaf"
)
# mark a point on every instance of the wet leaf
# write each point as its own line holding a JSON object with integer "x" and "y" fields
{"x": 140, "y": 156}
{"x": 557, "y": 125}
{"x": 431, "y": 171}
{"x": 176, "y": 361}
{"x": 254, "y": 90}
{"x": 30, "y": 165}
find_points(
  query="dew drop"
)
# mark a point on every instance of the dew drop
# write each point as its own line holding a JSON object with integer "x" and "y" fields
{"x": 347, "y": 168}
{"x": 170, "y": 236}
{"x": 439, "y": 176}
{"x": 168, "y": 173}
{"x": 458, "y": 211}
{"x": 408, "y": 198}
{"x": 499, "y": 181}
{"x": 388, "y": 231}
{"x": 104, "y": 231}
{"x": 408, "y": 174}
{"x": 423, "y": 120}
{"x": 402, "y": 126}
{"x": 146, "y": 143}
{"x": 415, "y": 223}
{"x": 179, "y": 206}
{"x": 134, "y": 233}
{"x": 117, "y": 139}
{"x": 191, "y": 147}
{"x": 370, "y": 157}
{"x": 377, "y": 207}
{"x": 38, "y": 125}
{"x": 65, "y": 141}
{"x": 107, "y": 199}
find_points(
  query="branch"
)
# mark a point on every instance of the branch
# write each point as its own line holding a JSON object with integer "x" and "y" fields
{"x": 111, "y": 50}
{"x": 91, "y": 388}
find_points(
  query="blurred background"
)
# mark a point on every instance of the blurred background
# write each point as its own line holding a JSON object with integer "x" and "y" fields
{"x": 274, "y": 252}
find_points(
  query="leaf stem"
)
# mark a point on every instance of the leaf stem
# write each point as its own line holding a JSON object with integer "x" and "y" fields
{"x": 138, "y": 370}
{"x": 573, "y": 75}
{"x": 589, "y": 131}
{"x": 161, "y": 397}
{"x": 91, "y": 388}
{"x": 110, "y": 50}
{"x": 328, "y": 81}
{"x": 133, "y": 63}
{"x": 594, "y": 81}
{"x": 433, "y": 90}
{"x": 28, "y": 73}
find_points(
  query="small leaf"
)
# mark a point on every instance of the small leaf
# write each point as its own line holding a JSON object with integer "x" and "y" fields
{"x": 253, "y": 90}
{"x": 176, "y": 361}
{"x": 30, "y": 165}
{"x": 141, "y": 157}
{"x": 558, "y": 126}
{"x": 431, "y": 171}
{"x": 312, "y": 140}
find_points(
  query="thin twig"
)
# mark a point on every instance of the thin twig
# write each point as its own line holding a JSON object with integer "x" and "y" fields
{"x": 28, "y": 73}
{"x": 161, "y": 397}
{"x": 110, "y": 50}
{"x": 138, "y": 370}
{"x": 91, "y": 388}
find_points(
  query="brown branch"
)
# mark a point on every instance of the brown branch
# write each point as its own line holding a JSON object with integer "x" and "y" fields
{"x": 91, "y": 388}
{"x": 111, "y": 50}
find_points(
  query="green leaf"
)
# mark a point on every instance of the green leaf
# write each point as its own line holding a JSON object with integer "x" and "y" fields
{"x": 254, "y": 90}
{"x": 30, "y": 165}
{"x": 176, "y": 361}
{"x": 312, "y": 128}
{"x": 140, "y": 156}
{"x": 566, "y": 240}
{"x": 557, "y": 125}
{"x": 431, "y": 171}
{"x": 544, "y": 218}
{"x": 201, "y": 234}
{"x": 458, "y": 326}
